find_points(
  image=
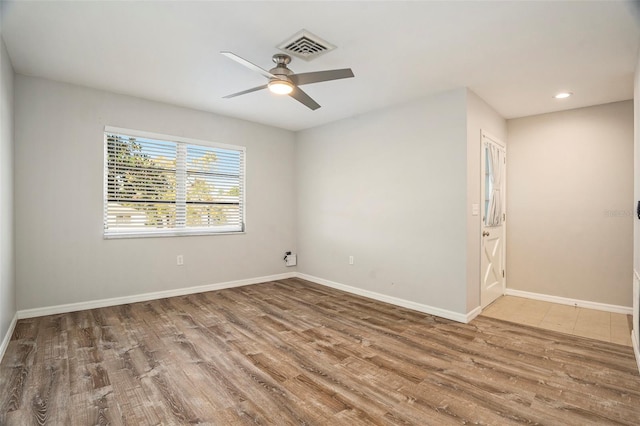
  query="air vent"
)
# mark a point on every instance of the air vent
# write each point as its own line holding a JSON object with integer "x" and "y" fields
{"x": 306, "y": 46}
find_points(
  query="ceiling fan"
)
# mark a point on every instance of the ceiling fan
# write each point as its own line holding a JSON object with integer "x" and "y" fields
{"x": 283, "y": 81}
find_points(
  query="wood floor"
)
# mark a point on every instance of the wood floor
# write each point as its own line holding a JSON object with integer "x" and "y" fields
{"x": 292, "y": 353}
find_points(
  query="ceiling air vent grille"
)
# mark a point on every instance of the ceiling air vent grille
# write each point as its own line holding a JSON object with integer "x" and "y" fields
{"x": 305, "y": 45}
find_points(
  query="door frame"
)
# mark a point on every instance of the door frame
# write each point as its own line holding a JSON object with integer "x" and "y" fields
{"x": 484, "y": 137}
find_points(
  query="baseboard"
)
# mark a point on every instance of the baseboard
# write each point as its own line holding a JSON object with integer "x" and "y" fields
{"x": 7, "y": 337}
{"x": 636, "y": 349}
{"x": 572, "y": 302}
{"x": 474, "y": 313}
{"x": 101, "y": 303}
{"x": 634, "y": 332}
{"x": 92, "y": 304}
{"x": 455, "y": 316}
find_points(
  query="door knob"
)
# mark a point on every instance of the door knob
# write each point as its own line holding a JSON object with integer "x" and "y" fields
{"x": 485, "y": 234}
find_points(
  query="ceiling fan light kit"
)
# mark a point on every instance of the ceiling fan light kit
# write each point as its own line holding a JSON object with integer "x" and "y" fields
{"x": 280, "y": 87}
{"x": 283, "y": 81}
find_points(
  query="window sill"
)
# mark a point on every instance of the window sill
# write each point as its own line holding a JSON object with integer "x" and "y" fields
{"x": 124, "y": 235}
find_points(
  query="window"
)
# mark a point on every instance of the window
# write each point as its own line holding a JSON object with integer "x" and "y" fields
{"x": 160, "y": 185}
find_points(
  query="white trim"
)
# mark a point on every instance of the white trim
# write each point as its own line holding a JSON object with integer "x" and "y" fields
{"x": 627, "y": 310}
{"x": 636, "y": 315}
{"x": 486, "y": 135}
{"x": 474, "y": 313}
{"x": 120, "y": 235}
{"x": 636, "y": 349}
{"x": 101, "y": 303}
{"x": 455, "y": 316}
{"x": 7, "y": 337}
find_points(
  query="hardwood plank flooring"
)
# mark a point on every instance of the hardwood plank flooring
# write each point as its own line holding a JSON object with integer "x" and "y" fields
{"x": 291, "y": 352}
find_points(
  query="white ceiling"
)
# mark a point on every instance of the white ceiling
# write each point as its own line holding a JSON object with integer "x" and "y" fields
{"x": 515, "y": 55}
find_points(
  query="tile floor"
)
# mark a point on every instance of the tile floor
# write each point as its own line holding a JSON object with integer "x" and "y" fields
{"x": 606, "y": 326}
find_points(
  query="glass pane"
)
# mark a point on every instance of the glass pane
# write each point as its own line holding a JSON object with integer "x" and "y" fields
{"x": 487, "y": 183}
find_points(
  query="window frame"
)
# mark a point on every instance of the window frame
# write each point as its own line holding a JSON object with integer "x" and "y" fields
{"x": 175, "y": 232}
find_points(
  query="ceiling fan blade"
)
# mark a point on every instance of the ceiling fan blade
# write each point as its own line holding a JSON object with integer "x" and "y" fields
{"x": 248, "y": 64}
{"x": 244, "y": 92}
{"x": 299, "y": 95}
{"x": 319, "y": 76}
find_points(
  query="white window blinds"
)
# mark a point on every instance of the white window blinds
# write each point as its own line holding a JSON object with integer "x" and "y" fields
{"x": 158, "y": 185}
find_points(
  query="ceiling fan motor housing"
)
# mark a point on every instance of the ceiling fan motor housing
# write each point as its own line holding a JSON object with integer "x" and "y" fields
{"x": 281, "y": 59}
{"x": 280, "y": 70}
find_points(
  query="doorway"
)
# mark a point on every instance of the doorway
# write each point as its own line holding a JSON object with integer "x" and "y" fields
{"x": 492, "y": 257}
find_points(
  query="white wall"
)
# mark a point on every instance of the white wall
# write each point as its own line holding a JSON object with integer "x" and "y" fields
{"x": 389, "y": 188}
{"x": 570, "y": 203}
{"x": 480, "y": 116}
{"x": 61, "y": 255}
{"x": 7, "y": 271}
{"x": 393, "y": 188}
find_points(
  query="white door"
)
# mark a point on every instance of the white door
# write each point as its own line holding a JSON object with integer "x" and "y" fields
{"x": 492, "y": 263}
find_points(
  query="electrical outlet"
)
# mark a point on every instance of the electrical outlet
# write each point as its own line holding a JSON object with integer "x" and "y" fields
{"x": 350, "y": 260}
{"x": 290, "y": 259}
{"x": 180, "y": 260}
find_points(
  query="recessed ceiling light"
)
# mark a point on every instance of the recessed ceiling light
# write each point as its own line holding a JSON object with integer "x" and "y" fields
{"x": 563, "y": 95}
